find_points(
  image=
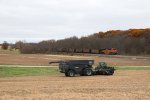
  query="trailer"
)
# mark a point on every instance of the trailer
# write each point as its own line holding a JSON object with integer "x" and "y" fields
{"x": 83, "y": 68}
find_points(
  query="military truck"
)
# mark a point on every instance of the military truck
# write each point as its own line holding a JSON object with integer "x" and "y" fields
{"x": 83, "y": 68}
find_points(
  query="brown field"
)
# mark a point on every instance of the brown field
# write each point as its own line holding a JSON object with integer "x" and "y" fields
{"x": 123, "y": 85}
{"x": 42, "y": 60}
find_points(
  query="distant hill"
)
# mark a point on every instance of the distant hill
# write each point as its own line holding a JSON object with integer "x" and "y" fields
{"x": 132, "y": 41}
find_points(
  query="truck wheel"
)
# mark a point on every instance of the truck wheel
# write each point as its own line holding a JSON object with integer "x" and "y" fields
{"x": 71, "y": 73}
{"x": 88, "y": 72}
{"x": 66, "y": 74}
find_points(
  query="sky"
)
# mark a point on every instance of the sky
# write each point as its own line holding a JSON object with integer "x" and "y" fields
{"x": 37, "y": 20}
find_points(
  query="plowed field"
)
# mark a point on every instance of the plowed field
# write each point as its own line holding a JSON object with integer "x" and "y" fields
{"x": 123, "y": 85}
{"x": 42, "y": 60}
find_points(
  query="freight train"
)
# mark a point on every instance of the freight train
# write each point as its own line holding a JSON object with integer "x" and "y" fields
{"x": 108, "y": 51}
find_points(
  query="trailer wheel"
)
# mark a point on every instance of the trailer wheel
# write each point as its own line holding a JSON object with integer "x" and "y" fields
{"x": 71, "y": 73}
{"x": 87, "y": 72}
{"x": 111, "y": 72}
{"x": 107, "y": 72}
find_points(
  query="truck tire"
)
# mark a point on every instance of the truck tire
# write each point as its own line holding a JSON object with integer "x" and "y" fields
{"x": 71, "y": 73}
{"x": 87, "y": 72}
{"x": 66, "y": 74}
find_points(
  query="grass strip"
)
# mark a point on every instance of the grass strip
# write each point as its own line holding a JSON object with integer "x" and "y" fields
{"x": 11, "y": 71}
{"x": 132, "y": 67}
{"x": 27, "y": 71}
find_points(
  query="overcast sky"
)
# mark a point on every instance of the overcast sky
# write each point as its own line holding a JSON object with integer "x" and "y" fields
{"x": 36, "y": 20}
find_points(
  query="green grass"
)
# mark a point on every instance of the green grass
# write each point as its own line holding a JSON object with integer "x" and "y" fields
{"x": 21, "y": 70}
{"x": 26, "y": 66}
{"x": 132, "y": 67}
{"x": 27, "y": 71}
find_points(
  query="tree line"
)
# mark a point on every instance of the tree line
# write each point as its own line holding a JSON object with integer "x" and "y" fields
{"x": 132, "y": 41}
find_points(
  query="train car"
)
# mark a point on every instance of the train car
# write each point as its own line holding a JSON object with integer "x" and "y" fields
{"x": 61, "y": 50}
{"x": 78, "y": 51}
{"x": 86, "y": 50}
{"x": 95, "y": 51}
{"x": 70, "y": 50}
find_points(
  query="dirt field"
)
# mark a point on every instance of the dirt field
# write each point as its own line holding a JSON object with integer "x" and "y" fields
{"x": 123, "y": 85}
{"x": 39, "y": 59}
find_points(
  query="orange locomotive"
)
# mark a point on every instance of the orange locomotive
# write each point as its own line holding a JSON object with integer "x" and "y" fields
{"x": 109, "y": 51}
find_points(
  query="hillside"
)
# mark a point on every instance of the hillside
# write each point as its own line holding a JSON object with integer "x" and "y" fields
{"x": 132, "y": 41}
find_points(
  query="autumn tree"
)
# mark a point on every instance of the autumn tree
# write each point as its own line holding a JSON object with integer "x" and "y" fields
{"x": 5, "y": 45}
